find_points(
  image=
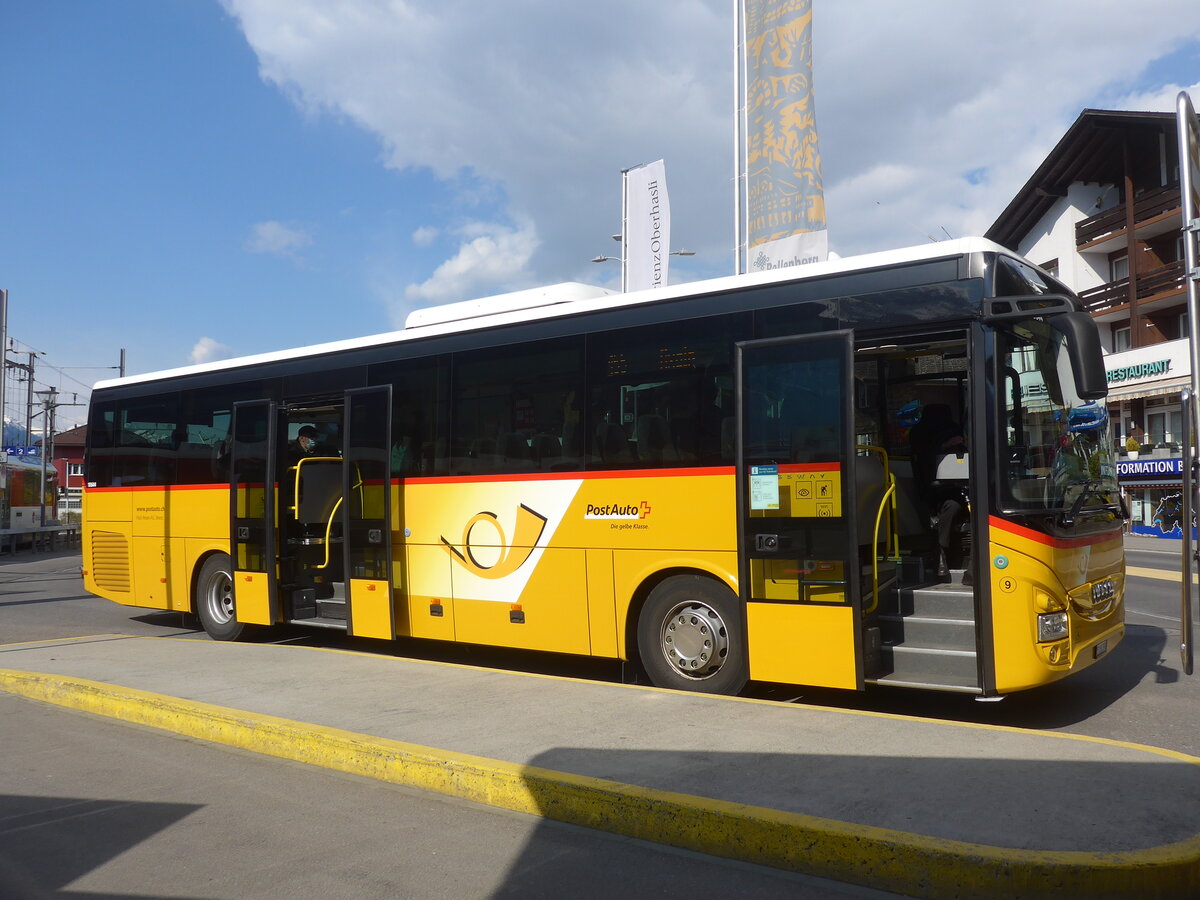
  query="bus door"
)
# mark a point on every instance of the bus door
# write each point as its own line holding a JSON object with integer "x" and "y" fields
{"x": 799, "y": 562}
{"x": 367, "y": 512}
{"x": 252, "y": 536}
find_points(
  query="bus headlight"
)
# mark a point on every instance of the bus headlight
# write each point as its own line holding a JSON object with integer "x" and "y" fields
{"x": 1052, "y": 626}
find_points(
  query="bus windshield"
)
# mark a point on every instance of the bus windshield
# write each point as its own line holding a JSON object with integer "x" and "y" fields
{"x": 1055, "y": 449}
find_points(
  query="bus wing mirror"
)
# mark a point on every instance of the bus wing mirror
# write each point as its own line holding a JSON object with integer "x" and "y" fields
{"x": 1083, "y": 347}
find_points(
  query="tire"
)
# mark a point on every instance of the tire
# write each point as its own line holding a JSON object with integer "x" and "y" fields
{"x": 690, "y": 636}
{"x": 214, "y": 600}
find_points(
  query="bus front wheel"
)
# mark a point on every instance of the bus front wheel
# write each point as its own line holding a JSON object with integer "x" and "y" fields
{"x": 689, "y": 636}
{"x": 214, "y": 600}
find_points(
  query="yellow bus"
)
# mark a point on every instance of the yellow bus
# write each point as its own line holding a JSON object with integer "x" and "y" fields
{"x": 718, "y": 481}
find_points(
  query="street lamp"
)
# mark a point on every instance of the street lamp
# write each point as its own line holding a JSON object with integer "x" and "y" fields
{"x": 601, "y": 258}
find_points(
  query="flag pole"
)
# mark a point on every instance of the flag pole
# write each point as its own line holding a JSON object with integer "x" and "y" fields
{"x": 739, "y": 136}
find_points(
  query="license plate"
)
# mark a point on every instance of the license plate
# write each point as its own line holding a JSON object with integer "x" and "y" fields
{"x": 1100, "y": 649}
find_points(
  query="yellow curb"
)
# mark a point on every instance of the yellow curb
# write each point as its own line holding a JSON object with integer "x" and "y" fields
{"x": 874, "y": 857}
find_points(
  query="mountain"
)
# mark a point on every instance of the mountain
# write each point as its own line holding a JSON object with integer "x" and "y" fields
{"x": 15, "y": 435}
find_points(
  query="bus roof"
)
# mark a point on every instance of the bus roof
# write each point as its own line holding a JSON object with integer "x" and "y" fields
{"x": 572, "y": 298}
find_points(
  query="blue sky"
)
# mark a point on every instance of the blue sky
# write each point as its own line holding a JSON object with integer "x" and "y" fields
{"x": 192, "y": 179}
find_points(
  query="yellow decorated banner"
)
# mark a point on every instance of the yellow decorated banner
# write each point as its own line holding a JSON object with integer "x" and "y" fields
{"x": 785, "y": 217}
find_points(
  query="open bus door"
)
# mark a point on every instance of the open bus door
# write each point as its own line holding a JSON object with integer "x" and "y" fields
{"x": 367, "y": 512}
{"x": 252, "y": 494}
{"x": 799, "y": 563}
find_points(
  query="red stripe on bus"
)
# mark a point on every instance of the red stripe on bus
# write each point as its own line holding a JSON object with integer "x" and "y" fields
{"x": 811, "y": 467}
{"x": 1057, "y": 543}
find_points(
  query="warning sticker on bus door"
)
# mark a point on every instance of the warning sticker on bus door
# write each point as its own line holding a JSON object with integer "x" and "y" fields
{"x": 815, "y": 490}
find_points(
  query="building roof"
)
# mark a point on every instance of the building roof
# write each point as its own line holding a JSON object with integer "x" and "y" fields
{"x": 75, "y": 436}
{"x": 1092, "y": 150}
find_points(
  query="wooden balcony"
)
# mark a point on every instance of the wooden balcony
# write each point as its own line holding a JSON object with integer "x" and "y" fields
{"x": 1163, "y": 280}
{"x": 1147, "y": 206}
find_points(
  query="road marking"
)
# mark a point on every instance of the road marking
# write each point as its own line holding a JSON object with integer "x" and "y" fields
{"x": 1159, "y": 574}
{"x": 1137, "y": 612}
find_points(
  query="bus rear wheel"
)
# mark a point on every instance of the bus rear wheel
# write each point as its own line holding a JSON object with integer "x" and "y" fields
{"x": 214, "y": 600}
{"x": 689, "y": 636}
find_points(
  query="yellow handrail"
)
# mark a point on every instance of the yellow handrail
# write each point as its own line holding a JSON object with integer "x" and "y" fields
{"x": 295, "y": 507}
{"x": 893, "y": 522}
{"x": 329, "y": 532}
{"x": 875, "y": 556}
{"x": 333, "y": 516}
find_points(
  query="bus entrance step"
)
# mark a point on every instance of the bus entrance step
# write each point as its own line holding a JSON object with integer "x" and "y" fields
{"x": 936, "y": 601}
{"x": 332, "y": 609}
{"x": 932, "y": 632}
{"x": 929, "y": 666}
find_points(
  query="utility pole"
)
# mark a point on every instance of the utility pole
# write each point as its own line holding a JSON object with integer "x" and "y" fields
{"x": 27, "y": 368}
{"x": 4, "y": 504}
{"x": 50, "y": 407}
{"x": 28, "y": 395}
{"x": 47, "y": 431}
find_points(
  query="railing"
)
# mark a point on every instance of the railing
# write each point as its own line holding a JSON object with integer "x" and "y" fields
{"x": 44, "y": 537}
{"x": 1116, "y": 293}
{"x": 1147, "y": 206}
{"x": 1160, "y": 450}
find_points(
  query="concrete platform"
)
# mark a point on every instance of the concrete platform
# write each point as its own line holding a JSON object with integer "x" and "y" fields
{"x": 921, "y": 807}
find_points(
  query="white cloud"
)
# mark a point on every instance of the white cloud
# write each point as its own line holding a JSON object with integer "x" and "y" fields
{"x": 209, "y": 350}
{"x": 425, "y": 236}
{"x": 490, "y": 258}
{"x": 1161, "y": 99}
{"x": 277, "y": 239}
{"x": 931, "y": 114}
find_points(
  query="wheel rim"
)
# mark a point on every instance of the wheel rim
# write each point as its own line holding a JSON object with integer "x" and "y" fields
{"x": 694, "y": 639}
{"x": 218, "y": 598}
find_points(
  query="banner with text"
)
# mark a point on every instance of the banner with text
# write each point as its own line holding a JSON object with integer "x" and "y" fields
{"x": 647, "y": 227}
{"x": 785, "y": 195}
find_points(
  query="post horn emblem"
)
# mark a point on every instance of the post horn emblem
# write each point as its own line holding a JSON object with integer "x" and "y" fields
{"x": 529, "y": 529}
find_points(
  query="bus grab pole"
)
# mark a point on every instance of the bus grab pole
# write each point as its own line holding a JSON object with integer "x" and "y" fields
{"x": 1188, "y": 513}
{"x": 1188, "y": 133}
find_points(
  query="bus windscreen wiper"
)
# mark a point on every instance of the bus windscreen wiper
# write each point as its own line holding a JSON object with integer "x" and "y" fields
{"x": 1086, "y": 489}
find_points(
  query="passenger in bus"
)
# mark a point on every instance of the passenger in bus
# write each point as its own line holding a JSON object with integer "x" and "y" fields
{"x": 305, "y": 444}
{"x": 935, "y": 435}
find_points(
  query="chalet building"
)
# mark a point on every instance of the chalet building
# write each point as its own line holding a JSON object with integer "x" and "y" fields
{"x": 1103, "y": 213}
{"x": 68, "y": 463}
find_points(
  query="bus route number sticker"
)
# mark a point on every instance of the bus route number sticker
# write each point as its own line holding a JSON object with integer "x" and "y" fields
{"x": 764, "y": 487}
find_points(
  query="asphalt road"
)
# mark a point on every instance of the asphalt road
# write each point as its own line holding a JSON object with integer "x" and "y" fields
{"x": 95, "y": 809}
{"x": 91, "y": 808}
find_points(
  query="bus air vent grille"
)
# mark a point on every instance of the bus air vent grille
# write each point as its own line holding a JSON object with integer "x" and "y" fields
{"x": 110, "y": 560}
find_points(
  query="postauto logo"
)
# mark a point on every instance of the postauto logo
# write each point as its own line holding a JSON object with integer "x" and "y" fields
{"x": 637, "y": 510}
{"x": 529, "y": 527}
